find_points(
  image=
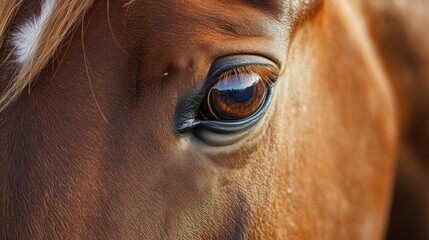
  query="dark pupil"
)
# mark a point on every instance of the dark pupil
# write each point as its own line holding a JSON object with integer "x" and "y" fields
{"x": 235, "y": 97}
{"x": 239, "y": 95}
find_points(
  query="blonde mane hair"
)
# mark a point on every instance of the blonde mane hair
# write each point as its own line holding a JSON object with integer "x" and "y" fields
{"x": 65, "y": 15}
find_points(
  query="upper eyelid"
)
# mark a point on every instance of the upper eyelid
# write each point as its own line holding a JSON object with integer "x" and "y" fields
{"x": 236, "y": 61}
{"x": 267, "y": 73}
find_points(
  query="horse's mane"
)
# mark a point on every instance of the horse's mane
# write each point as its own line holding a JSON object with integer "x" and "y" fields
{"x": 64, "y": 16}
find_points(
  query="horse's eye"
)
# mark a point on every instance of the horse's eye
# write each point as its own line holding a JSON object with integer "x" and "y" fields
{"x": 235, "y": 96}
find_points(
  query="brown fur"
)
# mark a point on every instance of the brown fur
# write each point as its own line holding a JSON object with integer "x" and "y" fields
{"x": 399, "y": 31}
{"x": 64, "y": 17}
{"x": 90, "y": 153}
{"x": 7, "y": 13}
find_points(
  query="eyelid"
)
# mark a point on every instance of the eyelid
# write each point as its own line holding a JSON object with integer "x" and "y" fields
{"x": 267, "y": 73}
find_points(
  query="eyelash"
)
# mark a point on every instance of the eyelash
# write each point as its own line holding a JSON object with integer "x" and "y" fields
{"x": 268, "y": 73}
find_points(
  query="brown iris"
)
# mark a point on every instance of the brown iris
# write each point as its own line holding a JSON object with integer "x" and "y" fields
{"x": 237, "y": 94}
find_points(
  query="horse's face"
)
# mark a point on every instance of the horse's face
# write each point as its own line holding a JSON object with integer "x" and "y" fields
{"x": 110, "y": 150}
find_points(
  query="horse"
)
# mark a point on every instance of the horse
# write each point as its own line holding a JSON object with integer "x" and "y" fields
{"x": 190, "y": 119}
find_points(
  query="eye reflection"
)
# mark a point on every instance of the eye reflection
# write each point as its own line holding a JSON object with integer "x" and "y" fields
{"x": 235, "y": 96}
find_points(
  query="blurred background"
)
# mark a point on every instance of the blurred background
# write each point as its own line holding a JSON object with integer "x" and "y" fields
{"x": 401, "y": 30}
